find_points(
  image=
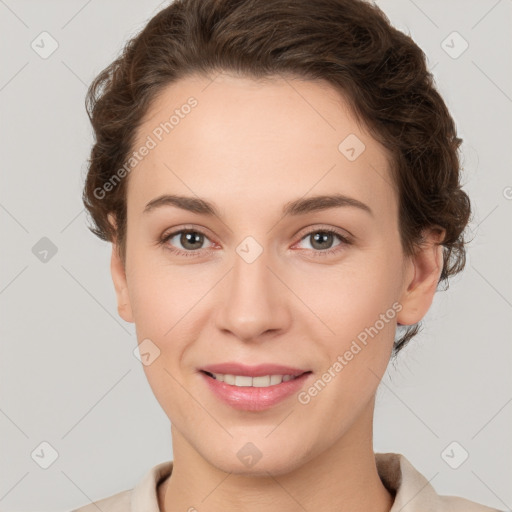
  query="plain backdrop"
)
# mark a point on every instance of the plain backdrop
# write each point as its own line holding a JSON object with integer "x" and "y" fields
{"x": 68, "y": 376}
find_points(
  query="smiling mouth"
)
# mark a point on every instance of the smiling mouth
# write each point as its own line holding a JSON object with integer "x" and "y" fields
{"x": 262, "y": 381}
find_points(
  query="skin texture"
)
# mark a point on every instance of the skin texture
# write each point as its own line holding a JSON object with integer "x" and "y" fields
{"x": 250, "y": 147}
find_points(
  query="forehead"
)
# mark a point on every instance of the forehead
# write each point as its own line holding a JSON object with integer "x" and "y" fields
{"x": 238, "y": 140}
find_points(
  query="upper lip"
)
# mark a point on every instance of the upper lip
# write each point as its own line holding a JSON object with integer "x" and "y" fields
{"x": 233, "y": 368}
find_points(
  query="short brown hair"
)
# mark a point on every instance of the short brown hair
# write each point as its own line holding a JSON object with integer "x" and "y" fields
{"x": 348, "y": 43}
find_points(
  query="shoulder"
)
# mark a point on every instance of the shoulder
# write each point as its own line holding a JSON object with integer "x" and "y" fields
{"x": 119, "y": 502}
{"x": 414, "y": 493}
{"x": 144, "y": 496}
{"x": 457, "y": 504}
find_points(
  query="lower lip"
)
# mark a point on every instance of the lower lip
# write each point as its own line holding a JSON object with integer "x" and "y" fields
{"x": 248, "y": 398}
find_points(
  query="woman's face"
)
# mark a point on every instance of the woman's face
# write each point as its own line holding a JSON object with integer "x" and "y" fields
{"x": 260, "y": 281}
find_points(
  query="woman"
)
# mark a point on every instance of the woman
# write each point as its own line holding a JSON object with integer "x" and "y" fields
{"x": 280, "y": 183}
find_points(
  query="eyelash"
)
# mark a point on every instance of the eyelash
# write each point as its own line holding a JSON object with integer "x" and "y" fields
{"x": 327, "y": 252}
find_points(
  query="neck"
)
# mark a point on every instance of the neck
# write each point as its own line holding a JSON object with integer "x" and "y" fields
{"x": 342, "y": 478}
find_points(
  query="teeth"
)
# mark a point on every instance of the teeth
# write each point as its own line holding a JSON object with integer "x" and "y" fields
{"x": 256, "y": 382}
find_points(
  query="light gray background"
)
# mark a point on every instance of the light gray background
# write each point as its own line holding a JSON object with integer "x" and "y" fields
{"x": 68, "y": 375}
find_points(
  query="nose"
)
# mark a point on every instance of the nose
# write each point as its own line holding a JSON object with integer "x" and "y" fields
{"x": 253, "y": 301}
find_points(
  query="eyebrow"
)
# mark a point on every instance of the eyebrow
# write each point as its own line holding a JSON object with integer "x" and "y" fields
{"x": 297, "y": 207}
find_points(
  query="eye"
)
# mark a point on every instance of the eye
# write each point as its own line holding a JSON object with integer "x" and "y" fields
{"x": 321, "y": 241}
{"x": 190, "y": 239}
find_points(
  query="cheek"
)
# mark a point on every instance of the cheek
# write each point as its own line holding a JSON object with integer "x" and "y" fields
{"x": 168, "y": 304}
{"x": 350, "y": 296}
{"x": 357, "y": 305}
{"x": 162, "y": 294}
{"x": 164, "y": 303}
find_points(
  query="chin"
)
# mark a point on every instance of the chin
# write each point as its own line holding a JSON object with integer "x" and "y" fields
{"x": 252, "y": 459}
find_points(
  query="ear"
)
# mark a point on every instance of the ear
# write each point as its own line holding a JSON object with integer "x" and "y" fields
{"x": 422, "y": 277}
{"x": 118, "y": 272}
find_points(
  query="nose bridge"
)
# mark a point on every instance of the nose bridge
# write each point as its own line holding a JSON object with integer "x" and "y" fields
{"x": 251, "y": 303}
{"x": 250, "y": 272}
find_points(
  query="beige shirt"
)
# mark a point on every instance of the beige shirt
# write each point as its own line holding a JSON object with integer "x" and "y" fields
{"x": 413, "y": 492}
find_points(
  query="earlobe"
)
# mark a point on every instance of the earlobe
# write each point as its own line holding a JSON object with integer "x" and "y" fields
{"x": 118, "y": 273}
{"x": 422, "y": 280}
